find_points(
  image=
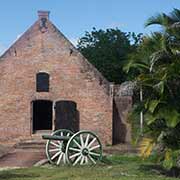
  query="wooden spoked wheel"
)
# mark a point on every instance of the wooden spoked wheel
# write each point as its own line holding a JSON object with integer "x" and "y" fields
{"x": 84, "y": 147}
{"x": 55, "y": 149}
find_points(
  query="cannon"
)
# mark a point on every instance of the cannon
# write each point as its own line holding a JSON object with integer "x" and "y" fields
{"x": 65, "y": 147}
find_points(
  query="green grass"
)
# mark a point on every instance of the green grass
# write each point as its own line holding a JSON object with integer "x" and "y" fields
{"x": 113, "y": 168}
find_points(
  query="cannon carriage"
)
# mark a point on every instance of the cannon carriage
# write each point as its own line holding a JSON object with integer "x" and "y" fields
{"x": 65, "y": 147}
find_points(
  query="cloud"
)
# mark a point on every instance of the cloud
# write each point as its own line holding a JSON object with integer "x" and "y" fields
{"x": 114, "y": 25}
{"x": 118, "y": 24}
{"x": 2, "y": 49}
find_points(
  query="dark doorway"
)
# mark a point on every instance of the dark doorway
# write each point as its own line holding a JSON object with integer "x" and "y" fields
{"x": 119, "y": 128}
{"x": 42, "y": 115}
{"x": 67, "y": 116}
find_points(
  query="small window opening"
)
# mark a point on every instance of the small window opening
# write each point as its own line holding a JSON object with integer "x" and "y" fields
{"x": 42, "y": 82}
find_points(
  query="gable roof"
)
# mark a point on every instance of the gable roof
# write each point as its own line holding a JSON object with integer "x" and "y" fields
{"x": 34, "y": 29}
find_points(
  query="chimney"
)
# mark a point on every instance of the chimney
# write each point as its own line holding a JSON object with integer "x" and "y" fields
{"x": 43, "y": 14}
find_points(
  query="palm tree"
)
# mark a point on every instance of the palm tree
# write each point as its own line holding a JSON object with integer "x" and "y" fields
{"x": 170, "y": 36}
{"x": 165, "y": 20}
{"x": 158, "y": 63}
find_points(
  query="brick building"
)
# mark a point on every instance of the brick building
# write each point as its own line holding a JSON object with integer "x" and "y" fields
{"x": 46, "y": 84}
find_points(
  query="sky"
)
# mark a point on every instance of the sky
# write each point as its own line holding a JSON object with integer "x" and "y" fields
{"x": 74, "y": 17}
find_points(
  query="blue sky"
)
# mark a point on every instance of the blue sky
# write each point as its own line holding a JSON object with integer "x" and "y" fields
{"x": 74, "y": 17}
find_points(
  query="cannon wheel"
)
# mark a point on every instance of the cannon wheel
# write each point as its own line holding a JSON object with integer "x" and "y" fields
{"x": 84, "y": 147}
{"x": 55, "y": 149}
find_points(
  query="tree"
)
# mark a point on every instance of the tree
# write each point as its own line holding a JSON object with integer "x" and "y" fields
{"x": 108, "y": 50}
{"x": 157, "y": 65}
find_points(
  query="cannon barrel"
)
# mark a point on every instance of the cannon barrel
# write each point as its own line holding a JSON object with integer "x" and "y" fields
{"x": 55, "y": 137}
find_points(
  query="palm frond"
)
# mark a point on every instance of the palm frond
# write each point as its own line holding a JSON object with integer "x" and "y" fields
{"x": 175, "y": 15}
{"x": 168, "y": 159}
{"x": 146, "y": 147}
{"x": 175, "y": 25}
{"x": 159, "y": 19}
{"x": 135, "y": 65}
{"x": 158, "y": 56}
{"x": 154, "y": 41}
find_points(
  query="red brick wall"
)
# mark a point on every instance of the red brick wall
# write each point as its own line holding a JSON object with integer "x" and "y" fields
{"x": 71, "y": 78}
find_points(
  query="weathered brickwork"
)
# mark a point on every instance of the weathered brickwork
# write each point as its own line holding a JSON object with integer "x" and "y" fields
{"x": 71, "y": 78}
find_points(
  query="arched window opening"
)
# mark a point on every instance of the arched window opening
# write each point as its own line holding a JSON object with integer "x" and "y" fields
{"x": 42, "y": 82}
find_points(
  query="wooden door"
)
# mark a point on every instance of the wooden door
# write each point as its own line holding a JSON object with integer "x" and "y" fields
{"x": 66, "y": 116}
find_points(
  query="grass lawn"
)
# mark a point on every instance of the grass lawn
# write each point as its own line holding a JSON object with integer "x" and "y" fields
{"x": 114, "y": 167}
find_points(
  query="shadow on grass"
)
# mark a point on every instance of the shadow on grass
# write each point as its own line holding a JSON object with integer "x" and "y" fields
{"x": 6, "y": 175}
{"x": 173, "y": 172}
{"x": 106, "y": 161}
{"x": 117, "y": 160}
